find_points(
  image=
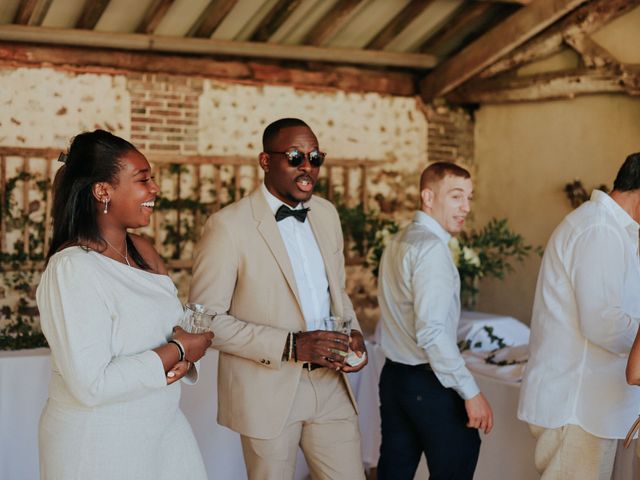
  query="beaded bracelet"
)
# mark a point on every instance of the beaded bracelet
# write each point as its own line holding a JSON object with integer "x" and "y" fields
{"x": 180, "y": 348}
{"x": 295, "y": 350}
{"x": 290, "y": 346}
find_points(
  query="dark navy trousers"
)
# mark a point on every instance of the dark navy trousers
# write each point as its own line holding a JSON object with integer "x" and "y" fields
{"x": 420, "y": 416}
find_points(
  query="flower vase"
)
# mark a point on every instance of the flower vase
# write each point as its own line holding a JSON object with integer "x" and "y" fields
{"x": 469, "y": 294}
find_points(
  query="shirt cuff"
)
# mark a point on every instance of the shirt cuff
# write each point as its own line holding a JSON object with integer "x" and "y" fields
{"x": 468, "y": 389}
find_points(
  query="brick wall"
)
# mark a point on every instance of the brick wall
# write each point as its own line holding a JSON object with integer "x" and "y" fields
{"x": 450, "y": 137}
{"x": 184, "y": 114}
{"x": 164, "y": 112}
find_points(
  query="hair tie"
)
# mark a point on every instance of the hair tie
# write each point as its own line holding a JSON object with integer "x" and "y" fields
{"x": 62, "y": 157}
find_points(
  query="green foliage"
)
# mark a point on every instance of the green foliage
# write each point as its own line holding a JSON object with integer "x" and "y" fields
{"x": 365, "y": 232}
{"x": 21, "y": 328}
{"x": 21, "y": 331}
{"x": 488, "y": 252}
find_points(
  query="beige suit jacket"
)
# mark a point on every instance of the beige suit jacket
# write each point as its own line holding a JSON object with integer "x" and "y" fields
{"x": 242, "y": 272}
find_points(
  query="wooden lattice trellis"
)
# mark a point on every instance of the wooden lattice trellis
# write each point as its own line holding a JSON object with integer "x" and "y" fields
{"x": 237, "y": 175}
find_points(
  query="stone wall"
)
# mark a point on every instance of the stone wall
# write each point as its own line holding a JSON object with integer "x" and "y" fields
{"x": 192, "y": 115}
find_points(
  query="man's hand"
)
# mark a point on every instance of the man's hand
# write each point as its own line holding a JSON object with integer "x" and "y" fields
{"x": 479, "y": 413}
{"x": 324, "y": 348}
{"x": 356, "y": 344}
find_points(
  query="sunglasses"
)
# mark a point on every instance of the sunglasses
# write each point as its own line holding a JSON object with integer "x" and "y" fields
{"x": 296, "y": 157}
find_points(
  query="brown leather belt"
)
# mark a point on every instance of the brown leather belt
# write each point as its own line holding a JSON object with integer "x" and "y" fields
{"x": 310, "y": 366}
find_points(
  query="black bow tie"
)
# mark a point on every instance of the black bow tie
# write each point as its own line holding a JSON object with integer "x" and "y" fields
{"x": 283, "y": 212}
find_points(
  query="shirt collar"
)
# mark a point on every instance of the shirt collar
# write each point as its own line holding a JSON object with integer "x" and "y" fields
{"x": 432, "y": 225}
{"x": 274, "y": 202}
{"x": 616, "y": 210}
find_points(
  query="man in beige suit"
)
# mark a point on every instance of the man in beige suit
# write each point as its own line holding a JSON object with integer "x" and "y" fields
{"x": 272, "y": 266}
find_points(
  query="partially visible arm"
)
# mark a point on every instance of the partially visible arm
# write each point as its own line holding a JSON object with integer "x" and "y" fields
{"x": 597, "y": 272}
{"x": 77, "y": 324}
{"x": 357, "y": 339}
{"x": 633, "y": 364}
{"x": 215, "y": 273}
{"x": 433, "y": 285}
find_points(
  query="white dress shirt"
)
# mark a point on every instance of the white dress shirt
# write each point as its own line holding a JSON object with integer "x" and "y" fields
{"x": 307, "y": 263}
{"x": 419, "y": 296}
{"x": 585, "y": 317}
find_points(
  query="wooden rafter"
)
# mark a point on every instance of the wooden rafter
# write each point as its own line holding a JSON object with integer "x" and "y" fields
{"x": 24, "y": 11}
{"x": 513, "y": 32}
{"x": 518, "y": 2}
{"x": 200, "y": 46}
{"x": 91, "y": 14}
{"x": 79, "y": 59}
{"x": 547, "y": 86}
{"x": 467, "y": 16}
{"x": 331, "y": 22}
{"x": 583, "y": 21}
{"x": 31, "y": 12}
{"x": 154, "y": 15}
{"x": 592, "y": 54}
{"x": 274, "y": 19}
{"x": 398, "y": 23}
{"x": 211, "y": 18}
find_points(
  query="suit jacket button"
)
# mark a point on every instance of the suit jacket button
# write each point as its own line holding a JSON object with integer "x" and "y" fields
{"x": 268, "y": 362}
{"x": 263, "y": 361}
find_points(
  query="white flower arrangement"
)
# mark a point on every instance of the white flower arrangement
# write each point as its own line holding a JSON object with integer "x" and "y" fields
{"x": 486, "y": 252}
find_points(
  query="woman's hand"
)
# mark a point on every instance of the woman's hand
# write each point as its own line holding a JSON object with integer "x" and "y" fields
{"x": 195, "y": 344}
{"x": 178, "y": 371}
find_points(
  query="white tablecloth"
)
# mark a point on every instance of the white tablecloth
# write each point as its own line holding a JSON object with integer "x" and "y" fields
{"x": 506, "y": 453}
{"x": 24, "y": 381}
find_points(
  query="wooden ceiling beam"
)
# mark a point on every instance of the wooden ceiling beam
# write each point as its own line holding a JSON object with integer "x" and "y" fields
{"x": 31, "y": 12}
{"x": 211, "y": 18}
{"x": 24, "y": 12}
{"x": 398, "y": 23}
{"x": 93, "y": 10}
{"x": 466, "y": 17}
{"x": 518, "y": 2}
{"x": 493, "y": 45}
{"x": 593, "y": 55}
{"x": 154, "y": 15}
{"x": 199, "y": 46}
{"x": 274, "y": 19}
{"x": 583, "y": 21}
{"x": 100, "y": 60}
{"x": 550, "y": 86}
{"x": 331, "y": 22}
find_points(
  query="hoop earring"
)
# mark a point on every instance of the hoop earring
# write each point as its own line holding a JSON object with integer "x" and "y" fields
{"x": 106, "y": 205}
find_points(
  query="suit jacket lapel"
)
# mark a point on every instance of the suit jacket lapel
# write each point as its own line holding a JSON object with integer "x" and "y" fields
{"x": 320, "y": 228}
{"x": 268, "y": 229}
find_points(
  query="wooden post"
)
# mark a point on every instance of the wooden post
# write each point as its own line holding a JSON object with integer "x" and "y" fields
{"x": 236, "y": 182}
{"x": 156, "y": 215}
{"x": 363, "y": 187}
{"x": 25, "y": 205}
{"x": 218, "y": 184}
{"x": 47, "y": 210}
{"x": 178, "y": 216}
{"x": 3, "y": 191}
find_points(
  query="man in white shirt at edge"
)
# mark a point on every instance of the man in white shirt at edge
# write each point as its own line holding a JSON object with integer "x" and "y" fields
{"x": 430, "y": 402}
{"x": 585, "y": 317}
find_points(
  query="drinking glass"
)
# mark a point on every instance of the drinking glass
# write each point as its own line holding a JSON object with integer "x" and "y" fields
{"x": 196, "y": 318}
{"x": 335, "y": 323}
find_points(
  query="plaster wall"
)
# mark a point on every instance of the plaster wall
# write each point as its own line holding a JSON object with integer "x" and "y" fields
{"x": 525, "y": 154}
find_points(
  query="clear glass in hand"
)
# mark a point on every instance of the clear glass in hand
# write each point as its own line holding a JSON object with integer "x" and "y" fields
{"x": 196, "y": 318}
{"x": 339, "y": 324}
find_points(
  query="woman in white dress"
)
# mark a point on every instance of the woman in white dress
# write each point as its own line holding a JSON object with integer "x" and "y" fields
{"x": 108, "y": 310}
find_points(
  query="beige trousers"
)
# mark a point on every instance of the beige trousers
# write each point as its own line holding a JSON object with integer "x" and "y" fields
{"x": 570, "y": 453}
{"x": 323, "y": 422}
